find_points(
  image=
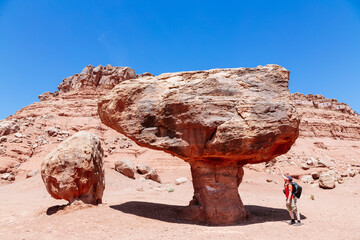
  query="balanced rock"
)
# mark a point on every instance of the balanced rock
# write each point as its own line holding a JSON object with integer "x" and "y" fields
{"x": 126, "y": 167}
{"x": 74, "y": 170}
{"x": 216, "y": 120}
{"x": 326, "y": 181}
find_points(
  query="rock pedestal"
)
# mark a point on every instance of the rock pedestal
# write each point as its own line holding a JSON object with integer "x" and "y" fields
{"x": 216, "y": 198}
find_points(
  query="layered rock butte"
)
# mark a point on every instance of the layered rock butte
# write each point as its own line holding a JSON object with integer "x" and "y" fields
{"x": 328, "y": 129}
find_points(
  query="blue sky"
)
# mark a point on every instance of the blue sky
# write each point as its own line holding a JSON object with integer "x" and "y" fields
{"x": 42, "y": 42}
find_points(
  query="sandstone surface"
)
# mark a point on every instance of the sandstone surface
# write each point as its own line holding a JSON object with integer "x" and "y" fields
{"x": 74, "y": 170}
{"x": 217, "y": 120}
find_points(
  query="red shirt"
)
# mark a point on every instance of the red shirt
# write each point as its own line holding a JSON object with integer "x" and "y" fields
{"x": 288, "y": 187}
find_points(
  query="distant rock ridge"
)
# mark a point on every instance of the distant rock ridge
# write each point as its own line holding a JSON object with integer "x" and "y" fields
{"x": 106, "y": 77}
{"x": 319, "y": 101}
{"x": 323, "y": 117}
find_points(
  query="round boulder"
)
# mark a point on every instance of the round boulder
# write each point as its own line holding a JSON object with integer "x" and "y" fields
{"x": 74, "y": 170}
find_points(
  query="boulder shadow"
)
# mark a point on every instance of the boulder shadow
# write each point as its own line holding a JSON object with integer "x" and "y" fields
{"x": 170, "y": 213}
{"x": 54, "y": 209}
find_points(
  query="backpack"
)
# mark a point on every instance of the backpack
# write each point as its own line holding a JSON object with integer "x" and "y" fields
{"x": 297, "y": 189}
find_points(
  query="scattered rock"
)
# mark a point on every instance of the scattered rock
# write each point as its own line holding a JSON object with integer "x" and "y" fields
{"x": 18, "y": 135}
{"x": 3, "y": 139}
{"x": 315, "y": 175}
{"x": 344, "y": 174}
{"x": 52, "y": 132}
{"x": 153, "y": 175}
{"x": 74, "y": 170}
{"x": 181, "y": 180}
{"x": 307, "y": 179}
{"x": 17, "y": 140}
{"x": 352, "y": 173}
{"x": 322, "y": 163}
{"x": 143, "y": 169}
{"x": 126, "y": 167}
{"x": 326, "y": 181}
{"x": 32, "y": 173}
{"x": 8, "y": 176}
{"x": 269, "y": 180}
{"x": 320, "y": 145}
{"x": 9, "y": 127}
{"x": 340, "y": 180}
{"x": 305, "y": 166}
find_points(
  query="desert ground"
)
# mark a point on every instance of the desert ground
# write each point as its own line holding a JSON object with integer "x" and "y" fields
{"x": 143, "y": 209}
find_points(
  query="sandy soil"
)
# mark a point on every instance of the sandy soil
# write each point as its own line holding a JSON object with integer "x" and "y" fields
{"x": 144, "y": 209}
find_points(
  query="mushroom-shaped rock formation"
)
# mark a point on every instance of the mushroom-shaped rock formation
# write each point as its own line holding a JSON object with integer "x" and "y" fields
{"x": 216, "y": 120}
{"x": 74, "y": 170}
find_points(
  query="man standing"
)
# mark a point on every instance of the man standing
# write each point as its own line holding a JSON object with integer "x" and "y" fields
{"x": 290, "y": 200}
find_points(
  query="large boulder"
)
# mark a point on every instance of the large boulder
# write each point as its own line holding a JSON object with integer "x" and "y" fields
{"x": 216, "y": 120}
{"x": 74, "y": 170}
{"x": 326, "y": 181}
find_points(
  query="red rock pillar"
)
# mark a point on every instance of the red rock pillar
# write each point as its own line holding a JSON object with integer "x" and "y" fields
{"x": 216, "y": 198}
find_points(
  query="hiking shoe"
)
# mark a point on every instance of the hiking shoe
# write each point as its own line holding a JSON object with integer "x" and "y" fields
{"x": 291, "y": 222}
{"x": 297, "y": 224}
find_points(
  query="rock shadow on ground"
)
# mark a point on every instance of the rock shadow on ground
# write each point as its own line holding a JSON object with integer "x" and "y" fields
{"x": 169, "y": 213}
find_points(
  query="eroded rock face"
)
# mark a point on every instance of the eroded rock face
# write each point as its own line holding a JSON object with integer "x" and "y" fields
{"x": 240, "y": 114}
{"x": 106, "y": 77}
{"x": 217, "y": 120}
{"x": 74, "y": 170}
{"x": 8, "y": 127}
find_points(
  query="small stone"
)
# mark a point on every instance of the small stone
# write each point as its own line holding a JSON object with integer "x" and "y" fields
{"x": 326, "y": 181}
{"x": 18, "y": 135}
{"x": 125, "y": 167}
{"x": 17, "y": 140}
{"x": 344, "y": 174}
{"x": 269, "y": 180}
{"x": 305, "y": 166}
{"x": 32, "y": 173}
{"x": 307, "y": 179}
{"x": 322, "y": 163}
{"x": 181, "y": 180}
{"x": 3, "y": 139}
{"x": 8, "y": 176}
{"x": 315, "y": 175}
{"x": 309, "y": 162}
{"x": 352, "y": 173}
{"x": 153, "y": 175}
{"x": 340, "y": 180}
{"x": 143, "y": 169}
{"x": 52, "y": 132}
{"x": 171, "y": 190}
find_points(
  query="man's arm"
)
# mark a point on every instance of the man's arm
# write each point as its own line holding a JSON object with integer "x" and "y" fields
{"x": 282, "y": 174}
